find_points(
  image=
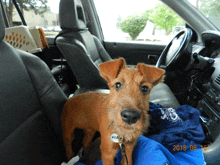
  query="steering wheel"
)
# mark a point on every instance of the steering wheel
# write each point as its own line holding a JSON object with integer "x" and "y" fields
{"x": 177, "y": 53}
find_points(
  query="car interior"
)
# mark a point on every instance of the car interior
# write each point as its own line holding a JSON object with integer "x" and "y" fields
{"x": 35, "y": 86}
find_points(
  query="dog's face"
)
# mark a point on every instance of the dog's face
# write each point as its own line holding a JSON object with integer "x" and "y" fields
{"x": 129, "y": 96}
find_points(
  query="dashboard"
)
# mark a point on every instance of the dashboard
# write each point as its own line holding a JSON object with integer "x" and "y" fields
{"x": 209, "y": 90}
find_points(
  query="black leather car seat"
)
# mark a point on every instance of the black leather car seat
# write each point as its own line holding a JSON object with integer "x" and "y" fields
{"x": 30, "y": 106}
{"x": 82, "y": 50}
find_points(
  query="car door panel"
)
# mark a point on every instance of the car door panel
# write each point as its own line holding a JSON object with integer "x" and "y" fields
{"x": 135, "y": 52}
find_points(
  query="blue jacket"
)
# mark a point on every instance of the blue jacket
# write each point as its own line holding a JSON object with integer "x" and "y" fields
{"x": 150, "y": 152}
{"x": 174, "y": 137}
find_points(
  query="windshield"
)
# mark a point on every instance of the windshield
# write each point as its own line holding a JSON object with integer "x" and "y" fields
{"x": 44, "y": 14}
{"x": 210, "y": 9}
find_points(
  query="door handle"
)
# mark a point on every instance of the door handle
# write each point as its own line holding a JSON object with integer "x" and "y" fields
{"x": 152, "y": 57}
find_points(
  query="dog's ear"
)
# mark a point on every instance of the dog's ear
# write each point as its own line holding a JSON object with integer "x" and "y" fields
{"x": 109, "y": 70}
{"x": 154, "y": 75}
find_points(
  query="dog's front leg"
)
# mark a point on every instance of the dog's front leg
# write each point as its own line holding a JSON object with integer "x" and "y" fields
{"x": 129, "y": 147}
{"x": 108, "y": 151}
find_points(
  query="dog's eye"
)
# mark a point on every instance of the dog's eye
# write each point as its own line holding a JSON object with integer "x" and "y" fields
{"x": 144, "y": 89}
{"x": 118, "y": 85}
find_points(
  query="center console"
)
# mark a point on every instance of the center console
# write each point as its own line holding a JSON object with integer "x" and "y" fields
{"x": 209, "y": 107}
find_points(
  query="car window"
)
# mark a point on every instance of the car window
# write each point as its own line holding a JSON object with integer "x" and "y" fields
{"x": 137, "y": 21}
{"x": 37, "y": 14}
{"x": 210, "y": 9}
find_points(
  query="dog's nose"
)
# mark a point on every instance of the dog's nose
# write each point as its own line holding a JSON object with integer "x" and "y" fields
{"x": 130, "y": 116}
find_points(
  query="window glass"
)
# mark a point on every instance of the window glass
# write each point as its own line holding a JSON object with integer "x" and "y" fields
{"x": 210, "y": 9}
{"x": 37, "y": 14}
{"x": 137, "y": 21}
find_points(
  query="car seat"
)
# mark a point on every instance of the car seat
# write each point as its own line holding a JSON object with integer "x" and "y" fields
{"x": 84, "y": 52}
{"x": 30, "y": 108}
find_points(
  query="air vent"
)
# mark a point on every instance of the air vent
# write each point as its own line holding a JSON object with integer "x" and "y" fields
{"x": 217, "y": 79}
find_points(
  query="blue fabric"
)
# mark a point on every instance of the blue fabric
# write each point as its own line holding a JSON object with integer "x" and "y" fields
{"x": 169, "y": 128}
{"x": 172, "y": 127}
{"x": 150, "y": 152}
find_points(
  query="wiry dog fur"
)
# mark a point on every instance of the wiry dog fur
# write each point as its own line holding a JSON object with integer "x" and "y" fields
{"x": 101, "y": 112}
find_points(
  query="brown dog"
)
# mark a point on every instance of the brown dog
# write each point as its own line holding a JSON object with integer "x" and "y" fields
{"x": 123, "y": 111}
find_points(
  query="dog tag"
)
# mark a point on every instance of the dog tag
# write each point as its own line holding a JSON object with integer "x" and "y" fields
{"x": 114, "y": 138}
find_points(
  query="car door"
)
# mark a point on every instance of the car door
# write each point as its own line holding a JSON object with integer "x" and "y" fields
{"x": 138, "y": 31}
{"x": 135, "y": 52}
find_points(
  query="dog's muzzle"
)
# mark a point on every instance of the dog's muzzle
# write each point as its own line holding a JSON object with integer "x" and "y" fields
{"x": 130, "y": 116}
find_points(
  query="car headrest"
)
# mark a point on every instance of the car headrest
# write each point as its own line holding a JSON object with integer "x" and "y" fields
{"x": 2, "y": 26}
{"x": 71, "y": 15}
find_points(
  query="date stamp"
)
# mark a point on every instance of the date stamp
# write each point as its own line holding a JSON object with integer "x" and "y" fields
{"x": 181, "y": 148}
